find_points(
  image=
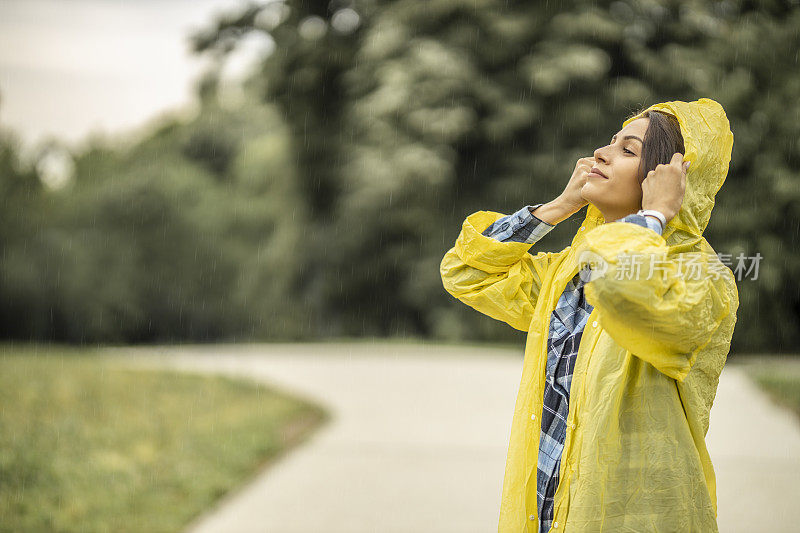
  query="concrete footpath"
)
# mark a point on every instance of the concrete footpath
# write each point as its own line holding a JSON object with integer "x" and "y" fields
{"x": 419, "y": 434}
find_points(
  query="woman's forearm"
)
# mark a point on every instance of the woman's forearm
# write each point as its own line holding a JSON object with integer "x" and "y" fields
{"x": 554, "y": 211}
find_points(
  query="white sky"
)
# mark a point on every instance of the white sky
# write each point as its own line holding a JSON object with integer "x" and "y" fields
{"x": 68, "y": 67}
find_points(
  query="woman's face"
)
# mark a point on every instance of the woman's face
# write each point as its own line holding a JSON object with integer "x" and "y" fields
{"x": 620, "y": 193}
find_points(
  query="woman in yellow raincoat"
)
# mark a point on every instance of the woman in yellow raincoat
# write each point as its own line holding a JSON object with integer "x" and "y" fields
{"x": 648, "y": 362}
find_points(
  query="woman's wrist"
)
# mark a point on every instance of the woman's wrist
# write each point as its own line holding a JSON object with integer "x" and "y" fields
{"x": 668, "y": 214}
{"x": 657, "y": 220}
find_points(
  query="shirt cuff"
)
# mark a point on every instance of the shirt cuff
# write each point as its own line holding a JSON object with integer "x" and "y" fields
{"x": 521, "y": 226}
{"x": 642, "y": 220}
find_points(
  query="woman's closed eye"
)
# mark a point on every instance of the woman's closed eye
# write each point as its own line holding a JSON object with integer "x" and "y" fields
{"x": 624, "y": 149}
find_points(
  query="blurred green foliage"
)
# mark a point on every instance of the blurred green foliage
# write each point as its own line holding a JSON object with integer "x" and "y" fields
{"x": 323, "y": 205}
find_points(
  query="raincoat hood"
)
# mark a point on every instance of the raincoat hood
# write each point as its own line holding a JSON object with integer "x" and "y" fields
{"x": 708, "y": 141}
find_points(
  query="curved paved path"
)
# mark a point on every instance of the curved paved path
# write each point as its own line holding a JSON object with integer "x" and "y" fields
{"x": 419, "y": 433}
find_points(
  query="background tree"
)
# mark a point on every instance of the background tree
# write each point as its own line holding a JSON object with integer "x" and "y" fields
{"x": 322, "y": 205}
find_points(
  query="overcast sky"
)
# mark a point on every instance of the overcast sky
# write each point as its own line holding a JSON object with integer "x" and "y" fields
{"x": 68, "y": 67}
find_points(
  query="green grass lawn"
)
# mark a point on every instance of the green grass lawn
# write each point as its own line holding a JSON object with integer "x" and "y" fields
{"x": 778, "y": 375}
{"x": 88, "y": 446}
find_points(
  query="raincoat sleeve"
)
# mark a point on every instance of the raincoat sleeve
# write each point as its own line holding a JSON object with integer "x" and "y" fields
{"x": 491, "y": 269}
{"x": 663, "y": 307}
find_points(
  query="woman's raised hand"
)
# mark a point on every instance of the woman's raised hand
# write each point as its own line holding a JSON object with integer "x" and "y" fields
{"x": 664, "y": 187}
{"x": 570, "y": 201}
{"x": 571, "y": 196}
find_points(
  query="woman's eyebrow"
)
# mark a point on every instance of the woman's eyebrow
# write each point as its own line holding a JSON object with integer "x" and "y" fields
{"x": 628, "y": 137}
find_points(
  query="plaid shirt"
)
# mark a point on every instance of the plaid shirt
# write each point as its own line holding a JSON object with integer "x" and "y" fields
{"x": 566, "y": 327}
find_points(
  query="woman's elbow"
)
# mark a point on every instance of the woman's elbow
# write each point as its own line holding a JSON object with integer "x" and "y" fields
{"x": 448, "y": 270}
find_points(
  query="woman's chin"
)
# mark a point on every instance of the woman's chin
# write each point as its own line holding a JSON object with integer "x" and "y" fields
{"x": 588, "y": 193}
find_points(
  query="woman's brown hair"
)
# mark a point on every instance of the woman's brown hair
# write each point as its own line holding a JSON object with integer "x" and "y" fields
{"x": 661, "y": 140}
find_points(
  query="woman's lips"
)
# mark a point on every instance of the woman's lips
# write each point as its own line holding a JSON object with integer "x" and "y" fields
{"x": 597, "y": 174}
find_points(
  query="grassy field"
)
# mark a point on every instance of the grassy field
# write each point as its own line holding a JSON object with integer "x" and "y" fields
{"x": 86, "y": 446}
{"x": 778, "y": 375}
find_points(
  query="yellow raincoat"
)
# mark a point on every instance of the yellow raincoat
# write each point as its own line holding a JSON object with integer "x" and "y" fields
{"x": 649, "y": 359}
